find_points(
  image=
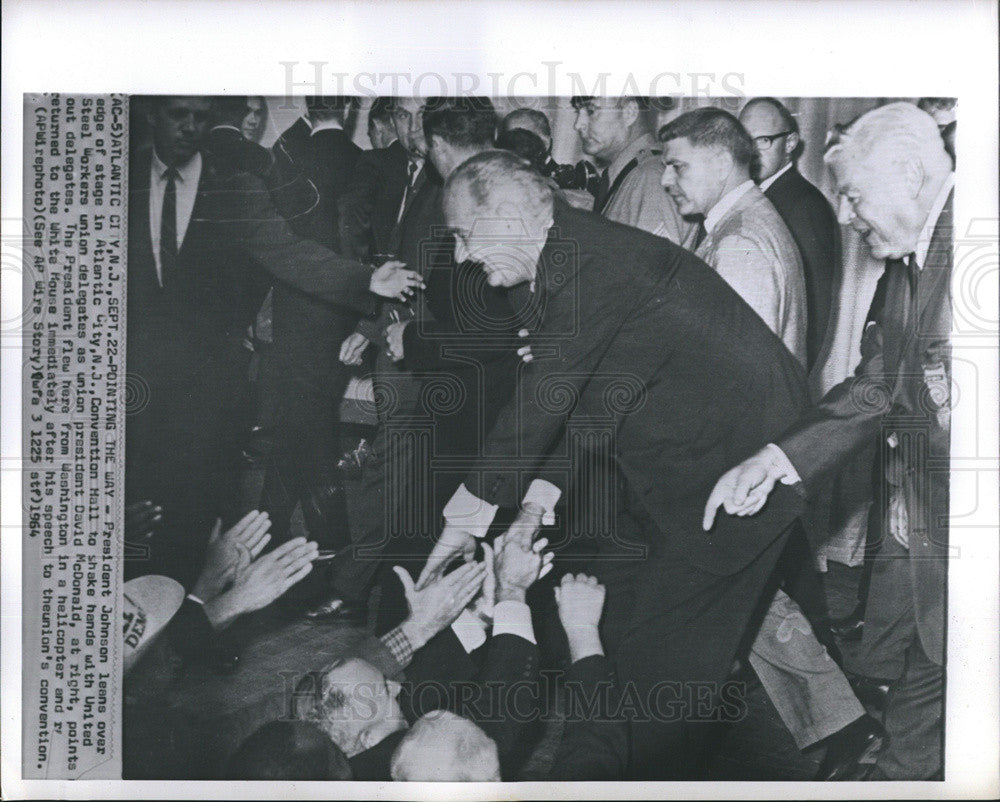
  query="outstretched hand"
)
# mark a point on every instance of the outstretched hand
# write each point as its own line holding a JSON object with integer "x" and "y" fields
{"x": 393, "y": 280}
{"x": 454, "y": 542}
{"x": 230, "y": 552}
{"x": 262, "y": 581}
{"x": 435, "y": 605}
{"x": 743, "y": 490}
{"x": 580, "y": 600}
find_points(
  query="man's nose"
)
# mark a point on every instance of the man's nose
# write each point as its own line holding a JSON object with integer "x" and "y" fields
{"x": 667, "y": 179}
{"x": 580, "y": 125}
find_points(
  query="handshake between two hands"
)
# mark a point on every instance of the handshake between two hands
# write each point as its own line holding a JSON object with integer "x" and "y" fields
{"x": 511, "y": 566}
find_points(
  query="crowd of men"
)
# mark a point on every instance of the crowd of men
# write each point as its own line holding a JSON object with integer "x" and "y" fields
{"x": 567, "y": 363}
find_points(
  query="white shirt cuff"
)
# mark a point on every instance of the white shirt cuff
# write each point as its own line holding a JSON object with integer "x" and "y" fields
{"x": 546, "y": 495}
{"x": 513, "y": 618}
{"x": 469, "y": 512}
{"x": 781, "y": 467}
{"x": 470, "y": 631}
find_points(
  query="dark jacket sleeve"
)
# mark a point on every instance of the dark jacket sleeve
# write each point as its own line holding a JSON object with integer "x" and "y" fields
{"x": 594, "y": 744}
{"x": 256, "y": 226}
{"x": 846, "y": 419}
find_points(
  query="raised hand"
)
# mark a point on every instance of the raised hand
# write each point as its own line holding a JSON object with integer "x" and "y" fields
{"x": 353, "y": 348}
{"x": 230, "y": 552}
{"x": 392, "y": 280}
{"x": 454, "y": 541}
{"x": 437, "y": 604}
{"x": 263, "y": 581}
{"x": 580, "y": 600}
{"x": 518, "y": 565}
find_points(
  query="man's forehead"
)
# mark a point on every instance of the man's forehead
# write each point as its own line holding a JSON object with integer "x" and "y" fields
{"x": 353, "y": 670}
{"x": 760, "y": 115}
{"x": 410, "y": 104}
{"x": 189, "y": 103}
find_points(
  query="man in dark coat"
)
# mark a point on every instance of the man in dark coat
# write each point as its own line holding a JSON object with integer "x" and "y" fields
{"x": 199, "y": 239}
{"x": 305, "y": 379}
{"x": 642, "y": 353}
{"x": 805, "y": 210}
{"x": 895, "y": 180}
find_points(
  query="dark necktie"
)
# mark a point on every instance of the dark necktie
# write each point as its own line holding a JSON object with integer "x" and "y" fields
{"x": 700, "y": 235}
{"x": 408, "y": 190}
{"x": 601, "y": 191}
{"x": 168, "y": 229}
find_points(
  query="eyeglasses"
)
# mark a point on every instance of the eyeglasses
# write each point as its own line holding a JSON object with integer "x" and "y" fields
{"x": 765, "y": 142}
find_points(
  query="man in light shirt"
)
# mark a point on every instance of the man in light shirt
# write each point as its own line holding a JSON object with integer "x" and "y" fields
{"x": 895, "y": 182}
{"x": 707, "y": 156}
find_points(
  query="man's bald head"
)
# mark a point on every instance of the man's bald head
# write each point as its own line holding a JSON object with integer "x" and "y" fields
{"x": 530, "y": 120}
{"x": 443, "y": 747}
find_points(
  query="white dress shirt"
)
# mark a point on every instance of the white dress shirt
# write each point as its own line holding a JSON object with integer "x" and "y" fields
{"x": 186, "y": 186}
{"x": 768, "y": 181}
{"x": 322, "y": 125}
{"x": 725, "y": 203}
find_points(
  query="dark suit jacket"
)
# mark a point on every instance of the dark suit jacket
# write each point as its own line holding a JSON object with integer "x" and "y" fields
{"x": 594, "y": 745}
{"x": 906, "y": 365}
{"x": 370, "y": 203}
{"x": 440, "y": 677}
{"x": 189, "y": 335}
{"x": 326, "y": 160}
{"x": 231, "y": 152}
{"x": 638, "y": 335}
{"x": 813, "y": 224}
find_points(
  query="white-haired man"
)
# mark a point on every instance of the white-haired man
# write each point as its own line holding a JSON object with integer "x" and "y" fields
{"x": 895, "y": 183}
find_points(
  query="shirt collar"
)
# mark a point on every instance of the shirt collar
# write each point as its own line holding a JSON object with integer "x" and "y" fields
{"x": 644, "y": 142}
{"x": 726, "y": 202}
{"x": 189, "y": 171}
{"x": 924, "y": 240}
{"x": 227, "y": 127}
{"x": 768, "y": 181}
{"x": 322, "y": 125}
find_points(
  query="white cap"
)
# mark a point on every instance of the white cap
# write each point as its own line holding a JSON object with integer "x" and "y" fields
{"x": 149, "y": 602}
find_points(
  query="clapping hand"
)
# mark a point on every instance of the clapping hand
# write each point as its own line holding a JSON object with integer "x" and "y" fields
{"x": 230, "y": 552}
{"x": 261, "y": 582}
{"x": 436, "y": 604}
{"x": 392, "y": 280}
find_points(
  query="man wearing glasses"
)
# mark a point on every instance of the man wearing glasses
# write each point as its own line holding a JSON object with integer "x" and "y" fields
{"x": 805, "y": 210}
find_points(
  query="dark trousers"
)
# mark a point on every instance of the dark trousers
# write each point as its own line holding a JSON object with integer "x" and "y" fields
{"x": 674, "y": 631}
{"x": 182, "y": 452}
{"x": 891, "y": 649}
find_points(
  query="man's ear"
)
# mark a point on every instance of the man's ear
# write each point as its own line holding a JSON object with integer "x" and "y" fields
{"x": 630, "y": 111}
{"x": 913, "y": 175}
{"x": 791, "y": 143}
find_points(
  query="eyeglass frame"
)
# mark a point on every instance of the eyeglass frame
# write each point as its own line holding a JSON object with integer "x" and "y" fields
{"x": 770, "y": 138}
